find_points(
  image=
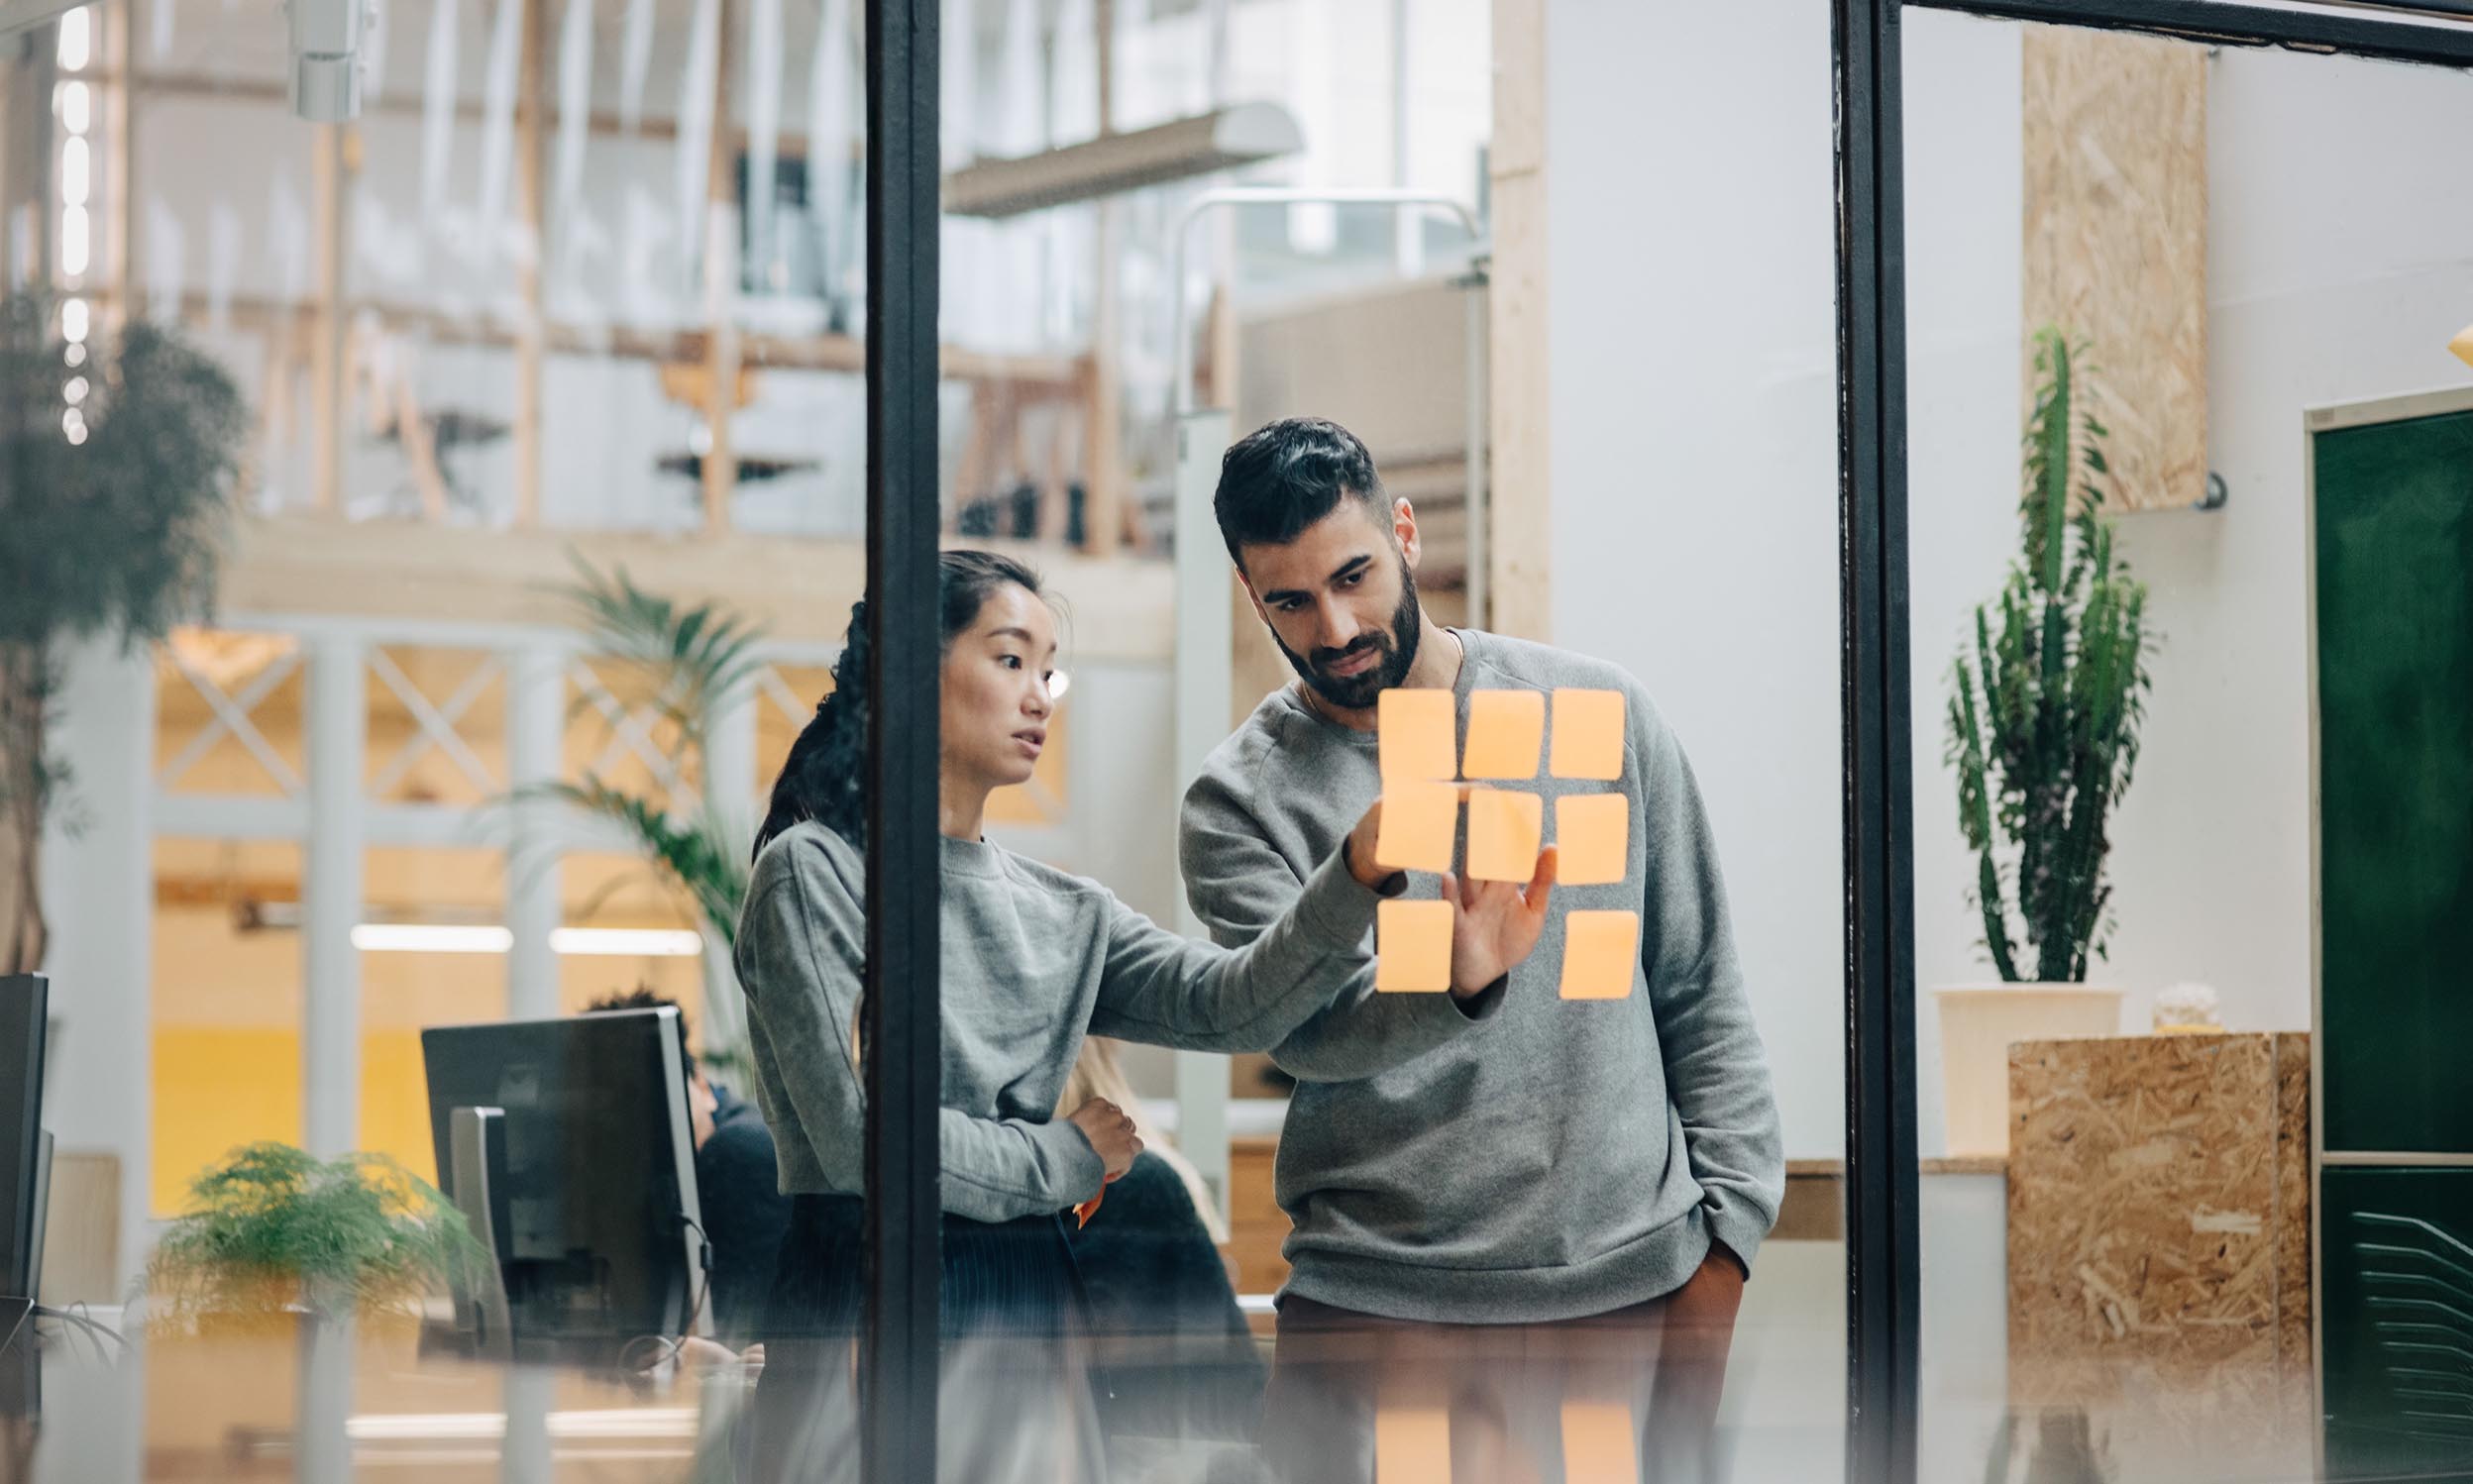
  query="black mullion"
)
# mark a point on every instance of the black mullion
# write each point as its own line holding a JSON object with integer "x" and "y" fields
{"x": 903, "y": 1014}
{"x": 1883, "y": 1259}
{"x": 2223, "y": 23}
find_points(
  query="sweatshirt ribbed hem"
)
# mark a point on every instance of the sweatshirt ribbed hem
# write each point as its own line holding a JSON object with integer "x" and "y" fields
{"x": 1649, "y": 1269}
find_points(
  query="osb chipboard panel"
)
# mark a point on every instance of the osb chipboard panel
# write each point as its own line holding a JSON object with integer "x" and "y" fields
{"x": 2115, "y": 243}
{"x": 2159, "y": 1237}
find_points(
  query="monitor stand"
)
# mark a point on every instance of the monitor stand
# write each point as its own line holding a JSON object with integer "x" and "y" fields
{"x": 21, "y": 1368}
{"x": 476, "y": 1151}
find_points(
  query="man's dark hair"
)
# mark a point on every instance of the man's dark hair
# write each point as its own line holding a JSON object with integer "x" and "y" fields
{"x": 643, "y": 997}
{"x": 1281, "y": 478}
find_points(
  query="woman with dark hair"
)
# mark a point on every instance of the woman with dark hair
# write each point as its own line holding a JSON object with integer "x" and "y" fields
{"x": 1034, "y": 959}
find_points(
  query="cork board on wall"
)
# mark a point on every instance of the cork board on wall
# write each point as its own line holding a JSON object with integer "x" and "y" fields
{"x": 2115, "y": 243}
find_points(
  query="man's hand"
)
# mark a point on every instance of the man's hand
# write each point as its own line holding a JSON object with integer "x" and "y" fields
{"x": 1110, "y": 1134}
{"x": 1496, "y": 924}
{"x": 1708, "y": 1300}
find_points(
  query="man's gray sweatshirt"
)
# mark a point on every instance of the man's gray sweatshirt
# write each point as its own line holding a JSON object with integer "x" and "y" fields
{"x": 1518, "y": 1158}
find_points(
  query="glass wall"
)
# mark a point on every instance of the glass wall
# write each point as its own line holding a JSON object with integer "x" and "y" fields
{"x": 2187, "y": 506}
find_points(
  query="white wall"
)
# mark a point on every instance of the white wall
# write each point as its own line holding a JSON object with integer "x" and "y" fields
{"x": 99, "y": 897}
{"x": 1694, "y": 453}
{"x": 1694, "y": 460}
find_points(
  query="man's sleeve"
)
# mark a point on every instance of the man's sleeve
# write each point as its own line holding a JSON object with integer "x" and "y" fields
{"x": 1238, "y": 886}
{"x": 1716, "y": 1071}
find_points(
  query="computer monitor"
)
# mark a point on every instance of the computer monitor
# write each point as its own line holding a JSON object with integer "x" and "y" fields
{"x": 24, "y": 1172}
{"x": 586, "y": 1179}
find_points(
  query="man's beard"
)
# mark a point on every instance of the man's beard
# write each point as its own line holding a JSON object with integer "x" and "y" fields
{"x": 1398, "y": 650}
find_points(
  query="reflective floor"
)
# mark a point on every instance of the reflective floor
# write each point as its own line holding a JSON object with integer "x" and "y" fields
{"x": 269, "y": 1400}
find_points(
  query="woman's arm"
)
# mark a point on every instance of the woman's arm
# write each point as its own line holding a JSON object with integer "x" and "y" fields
{"x": 1171, "y": 989}
{"x": 801, "y": 947}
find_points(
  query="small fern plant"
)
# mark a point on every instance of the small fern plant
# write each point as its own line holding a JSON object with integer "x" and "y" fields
{"x": 272, "y": 1226}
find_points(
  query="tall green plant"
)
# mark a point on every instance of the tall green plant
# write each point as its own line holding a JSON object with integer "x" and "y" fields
{"x": 117, "y": 459}
{"x": 2046, "y": 705}
{"x": 691, "y": 661}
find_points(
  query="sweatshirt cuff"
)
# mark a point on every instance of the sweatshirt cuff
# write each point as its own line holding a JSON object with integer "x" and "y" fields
{"x": 1079, "y": 1170}
{"x": 1483, "y": 1005}
{"x": 1338, "y": 907}
{"x": 1742, "y": 1231}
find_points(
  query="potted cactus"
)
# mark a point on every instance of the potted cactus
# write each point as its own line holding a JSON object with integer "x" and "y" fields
{"x": 2043, "y": 721}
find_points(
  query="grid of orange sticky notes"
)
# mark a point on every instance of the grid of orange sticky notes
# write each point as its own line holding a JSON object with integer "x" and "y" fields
{"x": 1589, "y": 735}
{"x": 1413, "y": 948}
{"x": 1414, "y": 732}
{"x": 1419, "y": 821}
{"x": 1600, "y": 954}
{"x": 1506, "y": 734}
{"x": 1592, "y": 838}
{"x": 1505, "y": 829}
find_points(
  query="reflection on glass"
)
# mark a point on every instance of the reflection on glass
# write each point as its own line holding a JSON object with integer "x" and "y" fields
{"x": 2160, "y": 1003}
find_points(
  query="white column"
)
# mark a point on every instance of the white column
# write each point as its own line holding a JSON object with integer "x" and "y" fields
{"x": 321, "y": 1426}
{"x": 1408, "y": 243}
{"x": 536, "y": 732}
{"x": 331, "y": 897}
{"x": 1205, "y": 634}
{"x": 730, "y": 784}
{"x": 526, "y": 1455}
{"x": 98, "y": 896}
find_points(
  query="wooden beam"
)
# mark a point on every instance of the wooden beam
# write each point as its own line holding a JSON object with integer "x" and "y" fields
{"x": 1103, "y": 42}
{"x": 117, "y": 208}
{"x": 531, "y": 186}
{"x": 722, "y": 347}
{"x": 331, "y": 148}
{"x": 1035, "y": 375}
{"x": 1103, "y": 444}
{"x": 800, "y": 588}
{"x": 1519, "y": 505}
{"x": 27, "y": 70}
{"x": 207, "y": 88}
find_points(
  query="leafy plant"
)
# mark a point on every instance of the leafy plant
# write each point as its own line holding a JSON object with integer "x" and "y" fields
{"x": 272, "y": 1226}
{"x": 687, "y": 662}
{"x": 2046, "y": 705}
{"x": 116, "y": 534}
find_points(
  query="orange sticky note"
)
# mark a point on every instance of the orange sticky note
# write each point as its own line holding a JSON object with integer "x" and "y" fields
{"x": 2462, "y": 344}
{"x": 1600, "y": 954}
{"x": 1598, "y": 1444}
{"x": 1413, "y": 948}
{"x": 1592, "y": 838}
{"x": 1589, "y": 734}
{"x": 1419, "y": 820}
{"x": 1506, "y": 733}
{"x": 1411, "y": 1445}
{"x": 1505, "y": 827}
{"x": 1413, "y": 730}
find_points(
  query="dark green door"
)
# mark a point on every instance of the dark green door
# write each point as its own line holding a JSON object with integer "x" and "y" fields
{"x": 2395, "y": 536}
{"x": 2393, "y": 528}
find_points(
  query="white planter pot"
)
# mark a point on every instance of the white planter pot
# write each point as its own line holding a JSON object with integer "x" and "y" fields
{"x": 1979, "y": 1023}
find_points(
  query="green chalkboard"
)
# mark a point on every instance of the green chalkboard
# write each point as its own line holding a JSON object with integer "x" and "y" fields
{"x": 2393, "y": 519}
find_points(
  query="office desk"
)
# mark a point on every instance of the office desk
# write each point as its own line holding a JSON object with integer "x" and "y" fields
{"x": 279, "y": 1398}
